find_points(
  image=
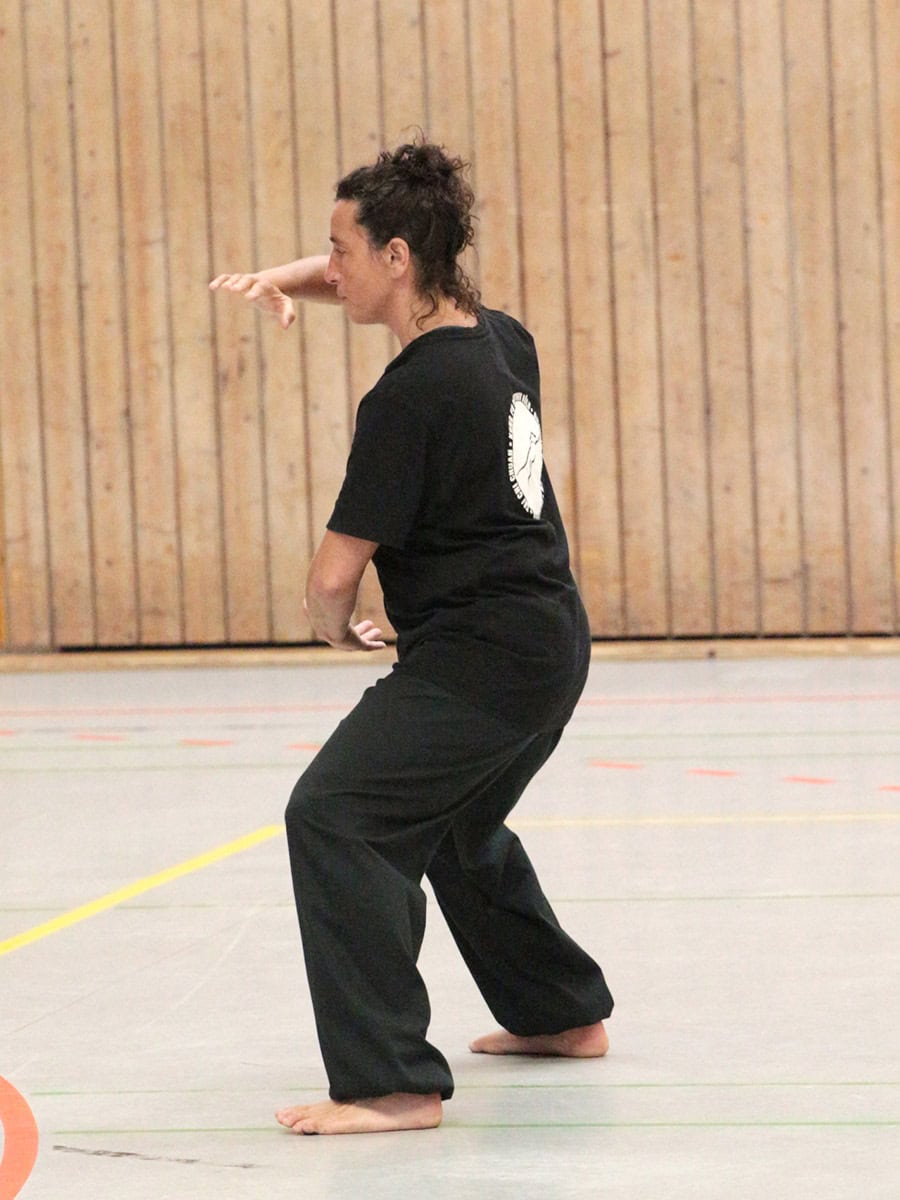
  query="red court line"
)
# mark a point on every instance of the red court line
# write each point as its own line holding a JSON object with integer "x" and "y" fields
{"x": 806, "y": 779}
{"x": 629, "y": 701}
{"x": 305, "y": 746}
{"x": 166, "y": 711}
{"x": 721, "y": 774}
{"x": 99, "y": 737}
{"x": 20, "y": 1140}
{"x": 585, "y": 702}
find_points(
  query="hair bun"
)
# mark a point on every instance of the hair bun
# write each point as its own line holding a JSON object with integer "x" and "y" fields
{"x": 424, "y": 162}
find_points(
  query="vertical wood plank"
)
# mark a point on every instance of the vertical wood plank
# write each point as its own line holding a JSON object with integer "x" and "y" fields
{"x": 24, "y": 579}
{"x": 189, "y": 270}
{"x": 543, "y": 248}
{"x": 688, "y": 527}
{"x": 145, "y": 303}
{"x": 866, "y": 433}
{"x": 323, "y": 337}
{"x": 637, "y": 352}
{"x": 725, "y": 319}
{"x": 360, "y": 94}
{"x": 402, "y": 66}
{"x": 231, "y": 171}
{"x": 104, "y": 333}
{"x": 447, "y": 75}
{"x": 887, "y": 43}
{"x": 448, "y": 90}
{"x": 401, "y": 73}
{"x": 359, "y": 85}
{"x": 812, "y": 282}
{"x": 595, "y": 535}
{"x": 494, "y": 151}
{"x": 774, "y": 401}
{"x": 276, "y": 240}
{"x": 59, "y": 323}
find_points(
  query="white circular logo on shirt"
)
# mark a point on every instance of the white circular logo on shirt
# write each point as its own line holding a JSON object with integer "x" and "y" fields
{"x": 525, "y": 455}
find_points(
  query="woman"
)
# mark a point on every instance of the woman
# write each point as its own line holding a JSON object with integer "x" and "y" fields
{"x": 446, "y": 492}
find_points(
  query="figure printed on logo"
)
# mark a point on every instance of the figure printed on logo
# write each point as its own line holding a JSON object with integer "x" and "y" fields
{"x": 525, "y": 455}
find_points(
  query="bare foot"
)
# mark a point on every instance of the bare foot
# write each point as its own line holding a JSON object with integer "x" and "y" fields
{"x": 587, "y": 1041}
{"x": 383, "y": 1114}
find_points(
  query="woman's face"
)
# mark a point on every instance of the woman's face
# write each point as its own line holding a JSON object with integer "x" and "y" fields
{"x": 360, "y": 273}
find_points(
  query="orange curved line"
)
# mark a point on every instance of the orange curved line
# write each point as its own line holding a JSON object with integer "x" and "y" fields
{"x": 20, "y": 1140}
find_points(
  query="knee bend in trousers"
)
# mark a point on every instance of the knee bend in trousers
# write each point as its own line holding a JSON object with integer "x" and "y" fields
{"x": 310, "y": 810}
{"x": 318, "y": 811}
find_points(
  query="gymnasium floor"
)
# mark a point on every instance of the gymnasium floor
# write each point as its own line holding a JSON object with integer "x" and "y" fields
{"x": 724, "y": 836}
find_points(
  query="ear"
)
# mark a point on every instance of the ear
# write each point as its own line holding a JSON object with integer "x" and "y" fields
{"x": 397, "y": 256}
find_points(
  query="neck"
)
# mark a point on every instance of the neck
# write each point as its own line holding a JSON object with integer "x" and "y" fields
{"x": 413, "y": 325}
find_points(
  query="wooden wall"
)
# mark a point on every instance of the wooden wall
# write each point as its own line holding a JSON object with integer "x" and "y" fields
{"x": 694, "y": 205}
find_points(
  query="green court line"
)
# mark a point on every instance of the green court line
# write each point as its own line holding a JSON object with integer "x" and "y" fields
{"x": 886, "y": 1123}
{"x": 575, "y": 732}
{"x": 106, "y": 748}
{"x": 133, "y": 746}
{"x": 745, "y": 1086}
{"x": 698, "y": 819}
{"x": 723, "y": 899}
{"x": 490, "y": 1087}
{"x": 890, "y": 1122}
{"x": 290, "y": 763}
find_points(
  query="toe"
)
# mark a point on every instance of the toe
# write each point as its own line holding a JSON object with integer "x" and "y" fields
{"x": 290, "y": 1117}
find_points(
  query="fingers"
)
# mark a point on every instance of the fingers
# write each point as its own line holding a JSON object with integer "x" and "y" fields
{"x": 368, "y": 629}
{"x": 234, "y": 283}
{"x": 370, "y": 635}
{"x": 258, "y": 291}
{"x": 250, "y": 286}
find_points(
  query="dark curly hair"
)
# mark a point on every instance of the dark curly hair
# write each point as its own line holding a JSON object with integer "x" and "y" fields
{"x": 418, "y": 193}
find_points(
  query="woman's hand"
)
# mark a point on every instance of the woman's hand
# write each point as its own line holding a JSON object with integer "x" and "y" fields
{"x": 261, "y": 292}
{"x": 364, "y": 636}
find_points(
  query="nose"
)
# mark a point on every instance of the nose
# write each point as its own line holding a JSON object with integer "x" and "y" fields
{"x": 332, "y": 275}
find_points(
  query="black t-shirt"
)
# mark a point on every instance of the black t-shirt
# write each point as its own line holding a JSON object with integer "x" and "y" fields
{"x": 446, "y": 473}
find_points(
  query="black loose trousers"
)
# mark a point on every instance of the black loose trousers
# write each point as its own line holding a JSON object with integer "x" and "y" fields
{"x": 417, "y": 782}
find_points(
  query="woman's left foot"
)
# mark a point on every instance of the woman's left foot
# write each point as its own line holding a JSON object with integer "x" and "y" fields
{"x": 383, "y": 1114}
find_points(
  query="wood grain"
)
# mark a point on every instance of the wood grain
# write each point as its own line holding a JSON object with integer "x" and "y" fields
{"x": 693, "y": 204}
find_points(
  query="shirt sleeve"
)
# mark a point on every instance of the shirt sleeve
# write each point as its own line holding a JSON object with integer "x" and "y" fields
{"x": 382, "y": 489}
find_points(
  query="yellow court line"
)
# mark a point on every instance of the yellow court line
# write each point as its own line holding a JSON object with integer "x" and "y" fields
{"x": 139, "y": 887}
{"x": 64, "y": 920}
